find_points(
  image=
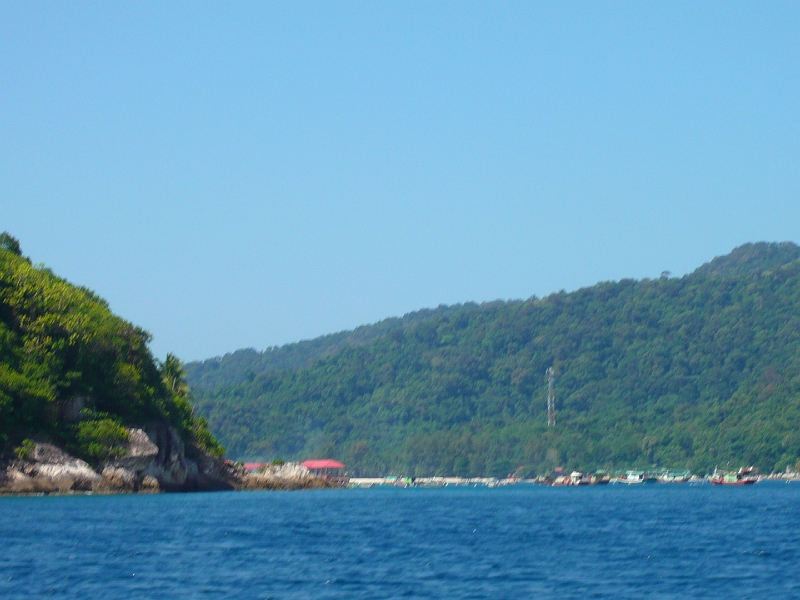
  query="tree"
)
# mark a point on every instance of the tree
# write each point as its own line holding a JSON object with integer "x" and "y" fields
{"x": 174, "y": 376}
{"x": 10, "y": 243}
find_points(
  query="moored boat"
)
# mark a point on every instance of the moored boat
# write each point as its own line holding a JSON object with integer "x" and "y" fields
{"x": 744, "y": 476}
{"x": 631, "y": 477}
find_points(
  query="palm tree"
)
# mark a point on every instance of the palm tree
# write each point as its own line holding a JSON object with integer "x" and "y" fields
{"x": 174, "y": 376}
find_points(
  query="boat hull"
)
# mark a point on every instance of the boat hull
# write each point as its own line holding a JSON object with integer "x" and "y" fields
{"x": 740, "y": 482}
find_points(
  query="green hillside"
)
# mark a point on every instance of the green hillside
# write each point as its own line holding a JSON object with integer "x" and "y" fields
{"x": 74, "y": 374}
{"x": 243, "y": 365}
{"x": 693, "y": 372}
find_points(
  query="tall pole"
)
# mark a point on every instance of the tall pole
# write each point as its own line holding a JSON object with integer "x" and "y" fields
{"x": 551, "y": 399}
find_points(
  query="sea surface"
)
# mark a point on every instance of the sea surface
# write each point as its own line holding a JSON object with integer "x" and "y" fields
{"x": 523, "y": 541}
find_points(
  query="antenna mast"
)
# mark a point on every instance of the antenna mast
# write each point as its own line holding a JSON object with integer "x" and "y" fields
{"x": 551, "y": 399}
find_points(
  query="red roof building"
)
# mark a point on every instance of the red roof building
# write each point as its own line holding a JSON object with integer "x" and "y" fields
{"x": 322, "y": 464}
{"x": 322, "y": 468}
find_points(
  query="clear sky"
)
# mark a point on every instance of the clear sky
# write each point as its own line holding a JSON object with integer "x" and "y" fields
{"x": 249, "y": 174}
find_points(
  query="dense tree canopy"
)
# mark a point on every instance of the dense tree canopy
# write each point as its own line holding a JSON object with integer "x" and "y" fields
{"x": 693, "y": 372}
{"x": 61, "y": 349}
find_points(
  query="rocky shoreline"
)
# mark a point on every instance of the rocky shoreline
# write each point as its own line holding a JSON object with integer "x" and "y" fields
{"x": 155, "y": 460}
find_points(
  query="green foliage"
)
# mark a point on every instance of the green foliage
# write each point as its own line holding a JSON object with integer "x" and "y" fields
{"x": 10, "y": 243}
{"x": 59, "y": 342}
{"x": 677, "y": 372}
{"x": 25, "y": 449}
{"x": 243, "y": 365}
{"x": 173, "y": 375}
{"x": 204, "y": 439}
{"x": 100, "y": 439}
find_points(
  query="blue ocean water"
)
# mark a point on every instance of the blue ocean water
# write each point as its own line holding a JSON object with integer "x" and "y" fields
{"x": 659, "y": 541}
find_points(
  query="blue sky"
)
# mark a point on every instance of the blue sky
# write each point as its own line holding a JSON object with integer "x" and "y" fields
{"x": 251, "y": 174}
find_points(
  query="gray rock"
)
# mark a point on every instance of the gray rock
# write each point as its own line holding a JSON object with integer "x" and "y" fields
{"x": 119, "y": 478}
{"x": 140, "y": 453}
{"x": 288, "y": 476}
{"x": 51, "y": 469}
{"x": 150, "y": 484}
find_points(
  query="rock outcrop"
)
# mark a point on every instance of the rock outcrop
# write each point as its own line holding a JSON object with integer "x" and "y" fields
{"x": 50, "y": 469}
{"x": 288, "y": 476}
{"x": 154, "y": 460}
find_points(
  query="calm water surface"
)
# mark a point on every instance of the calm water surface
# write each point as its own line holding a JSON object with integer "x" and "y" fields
{"x": 524, "y": 541}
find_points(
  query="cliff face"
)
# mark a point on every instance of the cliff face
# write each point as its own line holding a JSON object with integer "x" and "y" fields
{"x": 154, "y": 460}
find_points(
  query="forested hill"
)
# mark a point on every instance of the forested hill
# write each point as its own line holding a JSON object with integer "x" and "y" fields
{"x": 244, "y": 365}
{"x": 74, "y": 374}
{"x": 694, "y": 372}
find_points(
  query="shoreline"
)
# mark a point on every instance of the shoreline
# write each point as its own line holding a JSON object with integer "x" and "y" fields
{"x": 154, "y": 461}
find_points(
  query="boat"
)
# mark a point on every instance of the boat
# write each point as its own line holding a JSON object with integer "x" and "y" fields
{"x": 744, "y": 476}
{"x": 600, "y": 477}
{"x": 579, "y": 478}
{"x": 562, "y": 480}
{"x": 674, "y": 476}
{"x": 631, "y": 477}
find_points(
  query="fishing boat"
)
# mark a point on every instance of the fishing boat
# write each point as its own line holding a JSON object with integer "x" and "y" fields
{"x": 744, "y": 476}
{"x": 631, "y": 477}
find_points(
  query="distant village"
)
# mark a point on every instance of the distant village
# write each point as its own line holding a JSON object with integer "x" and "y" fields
{"x": 335, "y": 472}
